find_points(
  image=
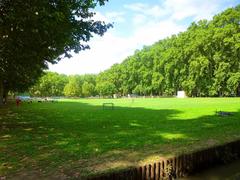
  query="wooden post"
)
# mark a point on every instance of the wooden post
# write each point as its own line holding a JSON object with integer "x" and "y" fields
{"x": 144, "y": 172}
{"x": 154, "y": 172}
{"x": 149, "y": 171}
{"x": 163, "y": 169}
{"x": 140, "y": 173}
{"x": 158, "y": 171}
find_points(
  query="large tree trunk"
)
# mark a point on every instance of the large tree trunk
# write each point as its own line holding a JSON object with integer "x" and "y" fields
{"x": 1, "y": 92}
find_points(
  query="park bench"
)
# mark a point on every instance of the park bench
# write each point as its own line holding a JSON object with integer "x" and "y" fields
{"x": 105, "y": 105}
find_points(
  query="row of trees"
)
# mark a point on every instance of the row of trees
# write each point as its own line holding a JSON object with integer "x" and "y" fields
{"x": 54, "y": 84}
{"x": 34, "y": 33}
{"x": 203, "y": 61}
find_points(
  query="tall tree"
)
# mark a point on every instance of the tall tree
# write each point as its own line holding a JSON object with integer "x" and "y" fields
{"x": 35, "y": 32}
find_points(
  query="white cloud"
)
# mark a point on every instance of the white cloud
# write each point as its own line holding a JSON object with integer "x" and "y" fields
{"x": 198, "y": 9}
{"x": 139, "y": 19}
{"x": 178, "y": 9}
{"x": 117, "y": 17}
{"x": 104, "y": 52}
{"x": 154, "y": 31}
{"x": 155, "y": 11}
{"x": 100, "y": 17}
{"x": 109, "y": 17}
{"x": 136, "y": 6}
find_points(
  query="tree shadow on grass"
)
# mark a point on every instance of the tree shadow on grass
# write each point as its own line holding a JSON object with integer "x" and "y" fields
{"x": 74, "y": 137}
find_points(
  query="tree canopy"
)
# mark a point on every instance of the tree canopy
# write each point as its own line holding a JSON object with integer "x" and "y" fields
{"x": 203, "y": 61}
{"x": 34, "y": 33}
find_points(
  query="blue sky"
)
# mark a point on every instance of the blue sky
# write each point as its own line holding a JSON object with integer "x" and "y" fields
{"x": 137, "y": 23}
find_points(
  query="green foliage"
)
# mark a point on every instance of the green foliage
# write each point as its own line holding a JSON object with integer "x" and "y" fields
{"x": 233, "y": 83}
{"x": 73, "y": 88}
{"x": 88, "y": 89}
{"x": 34, "y": 33}
{"x": 106, "y": 89}
{"x": 54, "y": 84}
{"x": 51, "y": 84}
{"x": 203, "y": 61}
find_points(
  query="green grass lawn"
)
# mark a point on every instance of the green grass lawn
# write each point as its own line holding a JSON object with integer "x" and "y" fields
{"x": 78, "y": 138}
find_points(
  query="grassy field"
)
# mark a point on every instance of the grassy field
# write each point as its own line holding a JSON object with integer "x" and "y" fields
{"x": 73, "y": 138}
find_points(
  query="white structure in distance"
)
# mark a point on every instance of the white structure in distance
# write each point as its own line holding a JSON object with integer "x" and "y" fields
{"x": 181, "y": 94}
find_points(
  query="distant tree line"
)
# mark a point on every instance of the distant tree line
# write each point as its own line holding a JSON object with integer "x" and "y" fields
{"x": 203, "y": 61}
{"x": 54, "y": 84}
